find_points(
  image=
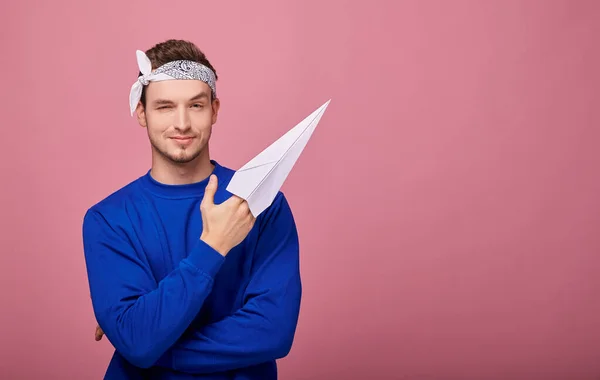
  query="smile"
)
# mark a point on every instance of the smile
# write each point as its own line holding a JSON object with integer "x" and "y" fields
{"x": 183, "y": 139}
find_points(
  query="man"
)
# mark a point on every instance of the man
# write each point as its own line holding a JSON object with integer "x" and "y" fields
{"x": 185, "y": 282}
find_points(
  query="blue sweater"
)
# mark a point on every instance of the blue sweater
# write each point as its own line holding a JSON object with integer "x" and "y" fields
{"x": 172, "y": 306}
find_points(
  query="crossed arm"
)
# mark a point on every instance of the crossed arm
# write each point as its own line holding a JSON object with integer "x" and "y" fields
{"x": 146, "y": 321}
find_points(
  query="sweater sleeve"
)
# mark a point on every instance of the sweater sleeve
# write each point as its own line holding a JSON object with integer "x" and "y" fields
{"x": 141, "y": 317}
{"x": 264, "y": 327}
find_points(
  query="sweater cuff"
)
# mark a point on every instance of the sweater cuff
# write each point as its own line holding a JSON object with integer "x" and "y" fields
{"x": 205, "y": 258}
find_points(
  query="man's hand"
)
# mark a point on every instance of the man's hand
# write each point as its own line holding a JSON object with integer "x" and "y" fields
{"x": 99, "y": 333}
{"x": 225, "y": 225}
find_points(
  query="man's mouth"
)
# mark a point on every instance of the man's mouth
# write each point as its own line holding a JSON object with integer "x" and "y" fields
{"x": 183, "y": 139}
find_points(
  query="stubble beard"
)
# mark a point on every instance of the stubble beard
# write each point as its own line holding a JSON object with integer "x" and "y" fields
{"x": 183, "y": 156}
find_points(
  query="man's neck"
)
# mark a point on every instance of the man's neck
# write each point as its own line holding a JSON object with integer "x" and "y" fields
{"x": 170, "y": 173}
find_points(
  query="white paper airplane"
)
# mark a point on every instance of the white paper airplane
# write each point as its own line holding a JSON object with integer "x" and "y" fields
{"x": 259, "y": 181}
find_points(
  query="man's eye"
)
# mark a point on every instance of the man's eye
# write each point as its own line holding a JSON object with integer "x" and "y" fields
{"x": 197, "y": 105}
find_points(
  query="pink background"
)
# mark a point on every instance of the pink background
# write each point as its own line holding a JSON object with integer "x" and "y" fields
{"x": 448, "y": 203}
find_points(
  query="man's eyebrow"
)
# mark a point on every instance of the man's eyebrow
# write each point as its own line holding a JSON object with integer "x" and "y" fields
{"x": 199, "y": 96}
{"x": 162, "y": 101}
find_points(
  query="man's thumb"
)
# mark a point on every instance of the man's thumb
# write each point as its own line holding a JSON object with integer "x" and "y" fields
{"x": 209, "y": 193}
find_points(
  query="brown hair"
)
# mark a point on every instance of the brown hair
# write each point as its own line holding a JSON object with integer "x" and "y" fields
{"x": 173, "y": 50}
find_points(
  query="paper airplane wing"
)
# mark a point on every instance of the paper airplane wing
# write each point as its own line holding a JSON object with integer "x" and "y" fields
{"x": 259, "y": 181}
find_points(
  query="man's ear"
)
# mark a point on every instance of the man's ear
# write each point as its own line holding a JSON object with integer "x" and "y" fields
{"x": 216, "y": 104}
{"x": 141, "y": 115}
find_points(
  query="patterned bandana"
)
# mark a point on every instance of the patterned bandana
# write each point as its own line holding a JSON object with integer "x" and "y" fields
{"x": 169, "y": 71}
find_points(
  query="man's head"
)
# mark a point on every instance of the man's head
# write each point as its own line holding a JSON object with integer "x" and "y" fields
{"x": 178, "y": 114}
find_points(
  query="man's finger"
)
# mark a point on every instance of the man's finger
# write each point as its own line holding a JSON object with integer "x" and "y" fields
{"x": 234, "y": 200}
{"x": 99, "y": 333}
{"x": 209, "y": 193}
{"x": 250, "y": 219}
{"x": 246, "y": 207}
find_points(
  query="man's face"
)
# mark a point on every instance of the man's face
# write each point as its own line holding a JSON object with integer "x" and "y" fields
{"x": 179, "y": 116}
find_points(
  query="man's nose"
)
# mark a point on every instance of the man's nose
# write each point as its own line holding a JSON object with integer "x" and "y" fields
{"x": 182, "y": 119}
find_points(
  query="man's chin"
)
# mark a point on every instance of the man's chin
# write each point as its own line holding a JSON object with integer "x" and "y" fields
{"x": 183, "y": 157}
{"x": 178, "y": 155}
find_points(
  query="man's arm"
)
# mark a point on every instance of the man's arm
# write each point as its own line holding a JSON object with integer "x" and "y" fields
{"x": 141, "y": 317}
{"x": 263, "y": 329}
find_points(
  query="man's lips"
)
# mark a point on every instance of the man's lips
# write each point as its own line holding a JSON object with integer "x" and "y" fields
{"x": 183, "y": 139}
